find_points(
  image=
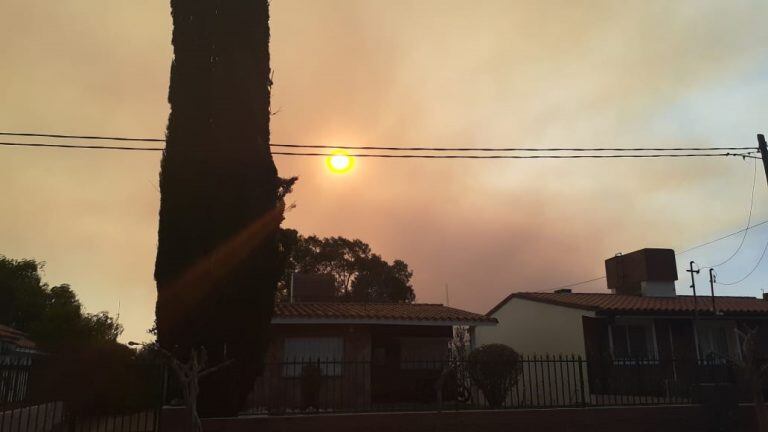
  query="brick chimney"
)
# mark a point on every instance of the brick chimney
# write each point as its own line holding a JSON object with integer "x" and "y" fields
{"x": 647, "y": 272}
{"x": 312, "y": 288}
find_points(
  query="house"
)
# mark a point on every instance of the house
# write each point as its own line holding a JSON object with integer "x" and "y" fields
{"x": 16, "y": 352}
{"x": 15, "y": 344}
{"x": 639, "y": 337}
{"x": 363, "y": 354}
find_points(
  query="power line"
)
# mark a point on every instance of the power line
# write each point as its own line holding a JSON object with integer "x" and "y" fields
{"x": 402, "y": 156}
{"x": 81, "y": 146}
{"x": 422, "y": 156}
{"x": 749, "y": 220}
{"x": 84, "y": 137}
{"x": 440, "y": 149}
{"x": 576, "y": 283}
{"x": 762, "y": 255}
{"x": 722, "y": 238}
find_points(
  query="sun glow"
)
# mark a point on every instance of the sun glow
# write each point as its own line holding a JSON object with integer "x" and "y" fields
{"x": 339, "y": 162}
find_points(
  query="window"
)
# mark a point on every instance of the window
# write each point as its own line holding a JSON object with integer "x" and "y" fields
{"x": 632, "y": 341}
{"x": 423, "y": 353}
{"x": 713, "y": 342}
{"x": 325, "y": 352}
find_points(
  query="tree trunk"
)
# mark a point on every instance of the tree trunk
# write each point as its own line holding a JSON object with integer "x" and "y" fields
{"x": 217, "y": 263}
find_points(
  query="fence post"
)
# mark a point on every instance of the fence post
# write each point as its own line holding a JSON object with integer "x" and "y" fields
{"x": 581, "y": 382}
{"x": 163, "y": 397}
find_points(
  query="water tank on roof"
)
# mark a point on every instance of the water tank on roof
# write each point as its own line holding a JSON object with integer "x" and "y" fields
{"x": 649, "y": 272}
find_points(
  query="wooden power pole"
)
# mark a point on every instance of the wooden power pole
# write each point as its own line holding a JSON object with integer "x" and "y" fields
{"x": 763, "y": 152}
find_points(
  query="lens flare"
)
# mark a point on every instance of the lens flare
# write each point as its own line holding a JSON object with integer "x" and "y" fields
{"x": 339, "y": 162}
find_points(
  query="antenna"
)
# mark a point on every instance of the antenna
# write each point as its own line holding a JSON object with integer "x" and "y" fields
{"x": 447, "y": 298}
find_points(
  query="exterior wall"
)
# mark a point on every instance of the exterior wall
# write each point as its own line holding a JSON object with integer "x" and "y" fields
{"x": 391, "y": 381}
{"x": 683, "y": 418}
{"x": 536, "y": 328}
{"x": 351, "y": 389}
{"x": 371, "y": 372}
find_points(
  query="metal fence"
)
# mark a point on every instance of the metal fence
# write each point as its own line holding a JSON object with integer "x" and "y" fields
{"x": 322, "y": 386}
{"x": 325, "y": 386}
{"x": 32, "y": 400}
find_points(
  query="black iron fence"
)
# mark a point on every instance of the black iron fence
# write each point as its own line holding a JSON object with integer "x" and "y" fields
{"x": 31, "y": 400}
{"x": 37, "y": 395}
{"x": 323, "y": 386}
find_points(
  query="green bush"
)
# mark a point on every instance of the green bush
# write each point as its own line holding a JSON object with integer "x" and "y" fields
{"x": 495, "y": 369}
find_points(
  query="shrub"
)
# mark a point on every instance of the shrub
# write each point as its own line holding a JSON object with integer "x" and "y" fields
{"x": 494, "y": 368}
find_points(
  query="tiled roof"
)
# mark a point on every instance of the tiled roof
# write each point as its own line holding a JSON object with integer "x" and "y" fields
{"x": 9, "y": 334}
{"x": 384, "y": 312}
{"x": 614, "y": 303}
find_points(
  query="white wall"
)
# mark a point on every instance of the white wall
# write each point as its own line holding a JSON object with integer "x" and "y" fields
{"x": 536, "y": 328}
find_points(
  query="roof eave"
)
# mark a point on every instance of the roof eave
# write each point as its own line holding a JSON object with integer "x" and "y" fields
{"x": 523, "y": 296}
{"x": 370, "y": 321}
{"x": 683, "y": 314}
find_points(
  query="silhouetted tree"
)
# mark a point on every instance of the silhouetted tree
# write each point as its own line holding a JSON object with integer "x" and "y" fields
{"x": 23, "y": 295}
{"x": 218, "y": 259}
{"x": 360, "y": 274}
{"x": 83, "y": 365}
{"x": 52, "y": 316}
{"x": 754, "y": 371}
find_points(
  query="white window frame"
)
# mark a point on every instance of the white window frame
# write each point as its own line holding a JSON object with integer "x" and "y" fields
{"x": 330, "y": 362}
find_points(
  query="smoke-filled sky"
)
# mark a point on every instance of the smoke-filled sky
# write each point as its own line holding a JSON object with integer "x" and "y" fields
{"x": 408, "y": 73}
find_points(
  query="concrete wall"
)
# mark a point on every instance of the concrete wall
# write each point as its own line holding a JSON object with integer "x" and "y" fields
{"x": 628, "y": 419}
{"x": 536, "y": 328}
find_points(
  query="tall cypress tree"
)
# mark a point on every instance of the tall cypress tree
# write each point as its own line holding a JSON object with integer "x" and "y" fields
{"x": 218, "y": 259}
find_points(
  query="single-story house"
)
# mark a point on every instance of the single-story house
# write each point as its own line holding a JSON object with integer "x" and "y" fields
{"x": 638, "y": 337}
{"x": 16, "y": 352}
{"x": 363, "y": 354}
{"x": 15, "y": 343}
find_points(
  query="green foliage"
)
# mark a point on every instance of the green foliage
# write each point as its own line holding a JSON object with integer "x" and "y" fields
{"x": 495, "y": 369}
{"x": 221, "y": 201}
{"x": 83, "y": 364}
{"x": 360, "y": 274}
{"x": 98, "y": 378}
{"x": 52, "y": 316}
{"x": 23, "y": 296}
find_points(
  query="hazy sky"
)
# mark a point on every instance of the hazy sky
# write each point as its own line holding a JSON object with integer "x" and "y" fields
{"x": 407, "y": 73}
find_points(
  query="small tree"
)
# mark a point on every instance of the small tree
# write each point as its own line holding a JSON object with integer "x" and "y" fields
{"x": 495, "y": 369}
{"x": 754, "y": 371}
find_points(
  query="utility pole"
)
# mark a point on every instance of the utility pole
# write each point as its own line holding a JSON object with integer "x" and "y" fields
{"x": 695, "y": 306}
{"x": 712, "y": 279}
{"x": 763, "y": 152}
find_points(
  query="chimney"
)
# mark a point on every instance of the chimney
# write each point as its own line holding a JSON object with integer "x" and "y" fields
{"x": 313, "y": 288}
{"x": 647, "y": 272}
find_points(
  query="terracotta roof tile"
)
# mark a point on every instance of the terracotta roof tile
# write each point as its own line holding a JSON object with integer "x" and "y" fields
{"x": 614, "y": 303}
{"x": 378, "y": 311}
{"x": 16, "y": 337}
